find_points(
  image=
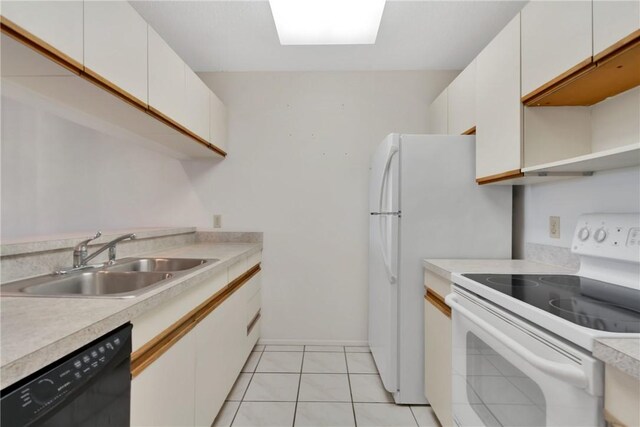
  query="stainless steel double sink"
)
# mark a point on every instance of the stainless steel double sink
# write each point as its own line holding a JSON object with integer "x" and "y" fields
{"x": 126, "y": 278}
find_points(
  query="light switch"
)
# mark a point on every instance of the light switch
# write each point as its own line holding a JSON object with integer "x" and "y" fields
{"x": 217, "y": 221}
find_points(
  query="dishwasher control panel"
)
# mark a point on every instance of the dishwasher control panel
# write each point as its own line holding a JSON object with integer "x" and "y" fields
{"x": 44, "y": 390}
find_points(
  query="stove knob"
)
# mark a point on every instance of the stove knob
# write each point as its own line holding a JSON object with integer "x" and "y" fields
{"x": 600, "y": 235}
{"x": 583, "y": 234}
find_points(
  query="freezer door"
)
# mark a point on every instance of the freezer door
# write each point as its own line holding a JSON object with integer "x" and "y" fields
{"x": 383, "y": 262}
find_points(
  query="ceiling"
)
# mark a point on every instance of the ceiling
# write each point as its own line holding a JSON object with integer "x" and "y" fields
{"x": 238, "y": 35}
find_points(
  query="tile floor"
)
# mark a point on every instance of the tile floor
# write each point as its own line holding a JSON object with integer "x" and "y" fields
{"x": 315, "y": 386}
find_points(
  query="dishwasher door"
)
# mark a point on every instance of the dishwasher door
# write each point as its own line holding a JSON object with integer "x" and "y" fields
{"x": 90, "y": 387}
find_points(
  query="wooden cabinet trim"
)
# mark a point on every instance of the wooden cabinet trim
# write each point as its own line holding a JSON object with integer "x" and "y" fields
{"x": 590, "y": 81}
{"x": 36, "y": 43}
{"x": 620, "y": 44}
{"x": 611, "y": 420}
{"x": 470, "y": 131}
{"x": 156, "y": 347}
{"x": 516, "y": 173}
{"x": 438, "y": 302}
{"x": 533, "y": 97}
{"x": 180, "y": 128}
{"x": 95, "y": 78}
{"x": 25, "y": 37}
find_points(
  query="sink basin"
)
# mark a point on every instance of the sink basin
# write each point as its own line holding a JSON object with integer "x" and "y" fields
{"x": 127, "y": 278}
{"x": 158, "y": 264}
{"x": 98, "y": 283}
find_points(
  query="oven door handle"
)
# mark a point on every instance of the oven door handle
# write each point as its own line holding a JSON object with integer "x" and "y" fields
{"x": 567, "y": 373}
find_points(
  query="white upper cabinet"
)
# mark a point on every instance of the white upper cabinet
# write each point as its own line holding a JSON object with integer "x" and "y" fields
{"x": 115, "y": 45}
{"x": 613, "y": 21}
{"x": 462, "y": 101}
{"x": 217, "y": 122}
{"x": 498, "y": 106}
{"x": 167, "y": 80}
{"x": 437, "y": 119}
{"x": 58, "y": 23}
{"x": 556, "y": 37}
{"x": 197, "y": 107}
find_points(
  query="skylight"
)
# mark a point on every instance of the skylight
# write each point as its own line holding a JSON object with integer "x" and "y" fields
{"x": 327, "y": 22}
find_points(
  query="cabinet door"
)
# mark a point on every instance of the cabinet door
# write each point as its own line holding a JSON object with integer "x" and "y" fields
{"x": 462, "y": 101}
{"x": 438, "y": 115}
{"x": 162, "y": 395}
{"x": 167, "y": 81}
{"x": 498, "y": 106}
{"x": 115, "y": 46}
{"x": 197, "y": 108}
{"x": 437, "y": 362}
{"x": 556, "y": 37}
{"x": 220, "y": 345}
{"x": 58, "y": 23}
{"x": 217, "y": 122}
{"x": 613, "y": 21}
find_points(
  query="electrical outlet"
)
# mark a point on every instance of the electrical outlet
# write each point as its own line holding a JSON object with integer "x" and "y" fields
{"x": 217, "y": 221}
{"x": 554, "y": 227}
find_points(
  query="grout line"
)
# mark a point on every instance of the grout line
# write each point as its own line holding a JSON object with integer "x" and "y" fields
{"x": 295, "y": 410}
{"x": 414, "y": 416}
{"x": 353, "y": 408}
{"x": 248, "y": 384}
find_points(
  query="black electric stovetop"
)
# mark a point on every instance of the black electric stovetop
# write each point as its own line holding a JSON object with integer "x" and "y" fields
{"x": 583, "y": 301}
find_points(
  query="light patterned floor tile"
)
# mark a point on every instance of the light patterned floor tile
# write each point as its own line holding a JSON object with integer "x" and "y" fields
{"x": 324, "y": 414}
{"x": 324, "y": 348}
{"x": 239, "y": 387}
{"x": 324, "y": 388}
{"x": 252, "y": 362}
{"x": 369, "y": 388}
{"x": 324, "y": 363}
{"x": 425, "y": 416}
{"x": 357, "y": 349}
{"x": 273, "y": 388}
{"x": 265, "y": 414}
{"x": 383, "y": 415}
{"x": 361, "y": 363}
{"x": 280, "y": 362}
{"x": 284, "y": 348}
{"x": 226, "y": 414}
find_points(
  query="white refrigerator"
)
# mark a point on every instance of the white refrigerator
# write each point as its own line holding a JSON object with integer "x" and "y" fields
{"x": 423, "y": 203}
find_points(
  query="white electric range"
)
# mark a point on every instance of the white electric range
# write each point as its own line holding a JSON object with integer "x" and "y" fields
{"x": 522, "y": 343}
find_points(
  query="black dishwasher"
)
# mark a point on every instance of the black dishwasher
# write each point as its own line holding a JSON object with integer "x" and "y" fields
{"x": 89, "y": 387}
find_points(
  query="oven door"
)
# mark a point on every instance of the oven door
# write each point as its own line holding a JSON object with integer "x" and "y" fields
{"x": 507, "y": 372}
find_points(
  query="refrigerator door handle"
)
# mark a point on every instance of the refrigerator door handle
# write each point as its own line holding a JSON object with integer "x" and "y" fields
{"x": 383, "y": 235}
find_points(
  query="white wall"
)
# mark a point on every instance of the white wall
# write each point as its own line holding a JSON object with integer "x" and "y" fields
{"x": 299, "y": 149}
{"x": 609, "y": 191}
{"x": 59, "y": 177}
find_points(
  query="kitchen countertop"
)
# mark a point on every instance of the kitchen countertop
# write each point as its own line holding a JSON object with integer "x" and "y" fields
{"x": 39, "y": 331}
{"x": 447, "y": 267}
{"x": 621, "y": 353}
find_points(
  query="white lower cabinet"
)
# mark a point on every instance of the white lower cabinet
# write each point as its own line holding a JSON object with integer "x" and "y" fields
{"x": 220, "y": 354}
{"x": 437, "y": 348}
{"x": 187, "y": 385}
{"x": 162, "y": 395}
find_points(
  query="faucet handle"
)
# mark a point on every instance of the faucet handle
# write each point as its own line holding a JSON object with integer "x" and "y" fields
{"x": 83, "y": 245}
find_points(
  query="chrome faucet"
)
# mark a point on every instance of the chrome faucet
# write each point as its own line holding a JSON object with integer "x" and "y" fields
{"x": 81, "y": 253}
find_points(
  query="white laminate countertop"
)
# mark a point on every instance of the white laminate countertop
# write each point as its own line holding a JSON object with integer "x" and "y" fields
{"x": 621, "y": 353}
{"x": 39, "y": 331}
{"x": 448, "y": 267}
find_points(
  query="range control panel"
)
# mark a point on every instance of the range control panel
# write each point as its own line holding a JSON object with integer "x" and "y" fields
{"x": 614, "y": 236}
{"x": 49, "y": 387}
